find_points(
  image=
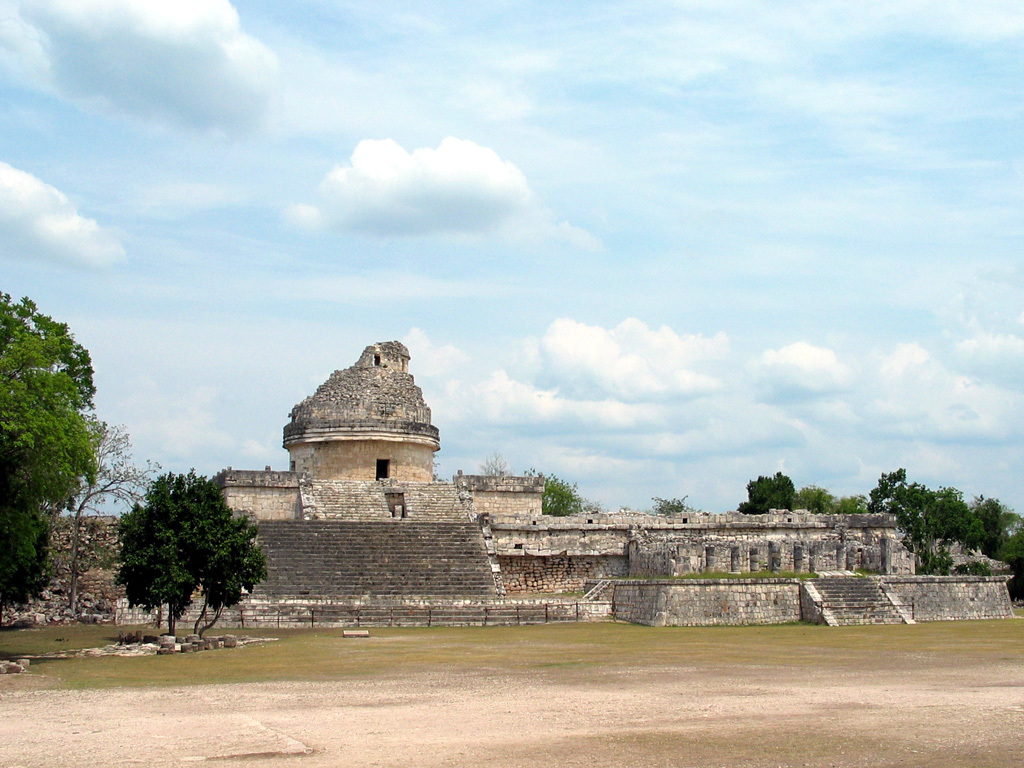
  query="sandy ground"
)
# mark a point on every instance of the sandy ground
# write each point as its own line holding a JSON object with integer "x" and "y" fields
{"x": 651, "y": 717}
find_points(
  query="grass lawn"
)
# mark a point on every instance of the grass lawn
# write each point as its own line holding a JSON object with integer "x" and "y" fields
{"x": 562, "y": 651}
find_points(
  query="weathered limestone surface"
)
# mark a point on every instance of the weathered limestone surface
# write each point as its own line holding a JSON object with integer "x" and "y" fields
{"x": 556, "y": 552}
{"x": 948, "y": 598}
{"x": 265, "y": 495}
{"x": 508, "y": 495}
{"x": 703, "y": 602}
{"x": 369, "y": 413}
{"x": 558, "y": 573}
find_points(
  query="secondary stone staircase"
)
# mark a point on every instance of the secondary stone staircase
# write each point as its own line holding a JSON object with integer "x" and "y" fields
{"x": 369, "y": 501}
{"x": 853, "y": 600}
{"x": 324, "y": 499}
{"x": 389, "y": 560}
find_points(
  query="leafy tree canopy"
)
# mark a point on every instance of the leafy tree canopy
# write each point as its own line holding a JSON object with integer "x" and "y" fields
{"x": 766, "y": 493}
{"x": 997, "y": 523}
{"x": 46, "y": 386}
{"x": 561, "y": 497}
{"x": 671, "y": 507}
{"x": 185, "y": 539}
{"x": 1012, "y": 554}
{"x": 930, "y": 520}
{"x": 815, "y": 499}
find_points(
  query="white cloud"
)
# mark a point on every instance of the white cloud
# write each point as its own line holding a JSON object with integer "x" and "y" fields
{"x": 458, "y": 188}
{"x": 434, "y": 361}
{"x": 916, "y": 396}
{"x": 630, "y": 361}
{"x": 38, "y": 221}
{"x": 184, "y": 63}
{"x": 992, "y": 346}
{"x": 801, "y": 368}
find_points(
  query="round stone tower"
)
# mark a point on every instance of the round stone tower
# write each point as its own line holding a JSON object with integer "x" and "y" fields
{"x": 367, "y": 422}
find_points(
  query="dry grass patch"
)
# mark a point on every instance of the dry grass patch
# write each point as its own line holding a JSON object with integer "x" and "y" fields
{"x": 560, "y": 653}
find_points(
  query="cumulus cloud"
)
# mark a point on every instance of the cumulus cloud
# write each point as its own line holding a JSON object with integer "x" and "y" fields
{"x": 183, "y": 63}
{"x": 458, "y": 188}
{"x": 992, "y": 346}
{"x": 630, "y": 361}
{"x": 38, "y": 221}
{"x": 432, "y": 360}
{"x": 801, "y": 369}
{"x": 917, "y": 396}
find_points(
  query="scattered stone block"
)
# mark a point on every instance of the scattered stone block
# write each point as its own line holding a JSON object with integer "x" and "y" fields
{"x": 150, "y": 639}
{"x": 355, "y": 633}
{"x": 164, "y": 650}
{"x": 192, "y": 638}
{"x": 23, "y": 663}
{"x": 187, "y": 647}
{"x": 230, "y": 641}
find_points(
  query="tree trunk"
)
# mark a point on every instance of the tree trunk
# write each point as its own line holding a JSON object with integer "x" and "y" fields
{"x": 170, "y": 622}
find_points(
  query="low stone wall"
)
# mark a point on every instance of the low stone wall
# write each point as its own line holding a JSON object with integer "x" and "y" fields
{"x": 560, "y": 573}
{"x": 410, "y": 612}
{"x": 951, "y": 598}
{"x": 706, "y": 602}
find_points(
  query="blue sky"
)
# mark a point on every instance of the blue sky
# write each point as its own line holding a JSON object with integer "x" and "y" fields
{"x": 654, "y": 248}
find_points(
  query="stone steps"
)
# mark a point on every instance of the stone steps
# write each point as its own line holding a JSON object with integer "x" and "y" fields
{"x": 368, "y": 501}
{"x": 855, "y": 601}
{"x": 386, "y": 559}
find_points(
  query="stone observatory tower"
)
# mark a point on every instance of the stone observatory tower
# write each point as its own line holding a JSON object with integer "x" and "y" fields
{"x": 367, "y": 422}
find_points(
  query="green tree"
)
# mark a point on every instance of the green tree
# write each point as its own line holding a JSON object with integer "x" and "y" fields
{"x": 815, "y": 499}
{"x": 670, "y": 507}
{"x": 1012, "y": 554}
{"x": 997, "y": 523}
{"x": 851, "y": 505}
{"x": 930, "y": 520}
{"x": 767, "y": 493}
{"x": 46, "y": 387}
{"x": 561, "y": 497}
{"x": 185, "y": 539}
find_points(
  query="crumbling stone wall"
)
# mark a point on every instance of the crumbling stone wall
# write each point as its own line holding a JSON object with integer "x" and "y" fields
{"x": 97, "y": 592}
{"x": 557, "y": 573}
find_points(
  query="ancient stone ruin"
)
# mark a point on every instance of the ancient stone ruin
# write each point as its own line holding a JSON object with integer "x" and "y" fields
{"x": 358, "y": 531}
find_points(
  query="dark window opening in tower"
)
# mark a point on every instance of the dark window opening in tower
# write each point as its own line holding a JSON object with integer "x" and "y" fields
{"x": 383, "y": 465}
{"x": 376, "y": 359}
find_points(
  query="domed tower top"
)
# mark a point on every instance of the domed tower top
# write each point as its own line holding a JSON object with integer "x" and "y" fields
{"x": 365, "y": 422}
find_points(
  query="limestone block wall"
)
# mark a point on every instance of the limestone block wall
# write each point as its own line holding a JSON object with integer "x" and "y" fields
{"x": 947, "y": 598}
{"x": 559, "y": 573}
{"x": 357, "y": 459}
{"x": 510, "y": 495}
{"x": 265, "y": 495}
{"x": 784, "y": 541}
{"x": 706, "y": 602}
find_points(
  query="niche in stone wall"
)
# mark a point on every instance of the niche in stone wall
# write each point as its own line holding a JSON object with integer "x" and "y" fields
{"x": 396, "y": 503}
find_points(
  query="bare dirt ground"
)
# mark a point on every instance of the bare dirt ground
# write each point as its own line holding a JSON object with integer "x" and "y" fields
{"x": 650, "y": 715}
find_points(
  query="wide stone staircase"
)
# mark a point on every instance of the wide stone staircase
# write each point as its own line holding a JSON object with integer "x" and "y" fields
{"x": 854, "y": 600}
{"x": 392, "y": 559}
